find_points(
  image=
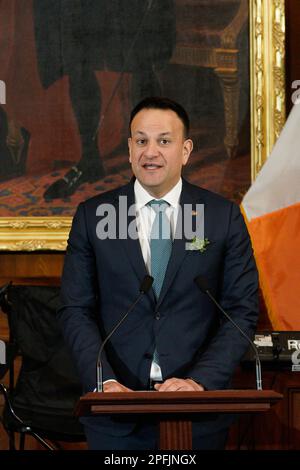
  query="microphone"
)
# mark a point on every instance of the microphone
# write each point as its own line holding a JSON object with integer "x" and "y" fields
{"x": 144, "y": 288}
{"x": 203, "y": 286}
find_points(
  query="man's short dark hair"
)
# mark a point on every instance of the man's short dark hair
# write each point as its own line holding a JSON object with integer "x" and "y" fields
{"x": 157, "y": 102}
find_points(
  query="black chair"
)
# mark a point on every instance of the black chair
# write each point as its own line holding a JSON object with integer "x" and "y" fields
{"x": 9, "y": 348}
{"x": 42, "y": 401}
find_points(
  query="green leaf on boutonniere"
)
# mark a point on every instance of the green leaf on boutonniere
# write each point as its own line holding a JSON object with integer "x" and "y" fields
{"x": 198, "y": 244}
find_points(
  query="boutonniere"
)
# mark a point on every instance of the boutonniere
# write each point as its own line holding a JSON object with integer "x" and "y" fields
{"x": 198, "y": 244}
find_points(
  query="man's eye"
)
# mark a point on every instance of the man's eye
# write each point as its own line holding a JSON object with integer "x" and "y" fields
{"x": 164, "y": 141}
{"x": 140, "y": 141}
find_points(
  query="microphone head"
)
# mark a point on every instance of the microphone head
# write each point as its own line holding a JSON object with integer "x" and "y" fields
{"x": 146, "y": 284}
{"x": 201, "y": 282}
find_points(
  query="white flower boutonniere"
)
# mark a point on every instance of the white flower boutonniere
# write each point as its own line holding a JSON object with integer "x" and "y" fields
{"x": 198, "y": 244}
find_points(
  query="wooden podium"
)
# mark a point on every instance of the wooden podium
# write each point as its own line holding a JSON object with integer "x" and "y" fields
{"x": 175, "y": 408}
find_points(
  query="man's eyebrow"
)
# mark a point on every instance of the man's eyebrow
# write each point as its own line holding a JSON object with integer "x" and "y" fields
{"x": 139, "y": 132}
{"x": 160, "y": 135}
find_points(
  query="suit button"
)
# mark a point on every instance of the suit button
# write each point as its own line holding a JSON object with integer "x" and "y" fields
{"x": 157, "y": 316}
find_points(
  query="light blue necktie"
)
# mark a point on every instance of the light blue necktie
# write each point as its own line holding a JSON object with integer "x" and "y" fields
{"x": 161, "y": 247}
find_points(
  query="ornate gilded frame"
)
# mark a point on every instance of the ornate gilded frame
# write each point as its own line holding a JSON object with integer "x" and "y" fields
{"x": 267, "y": 82}
{"x": 267, "y": 77}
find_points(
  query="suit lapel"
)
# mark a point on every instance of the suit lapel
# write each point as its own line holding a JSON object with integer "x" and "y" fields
{"x": 132, "y": 246}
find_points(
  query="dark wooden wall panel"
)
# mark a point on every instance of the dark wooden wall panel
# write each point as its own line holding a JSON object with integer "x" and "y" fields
{"x": 31, "y": 267}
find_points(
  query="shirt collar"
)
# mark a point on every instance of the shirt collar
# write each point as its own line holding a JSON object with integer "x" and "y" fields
{"x": 142, "y": 197}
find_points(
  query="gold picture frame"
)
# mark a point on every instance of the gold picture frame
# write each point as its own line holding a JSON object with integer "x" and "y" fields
{"x": 267, "y": 85}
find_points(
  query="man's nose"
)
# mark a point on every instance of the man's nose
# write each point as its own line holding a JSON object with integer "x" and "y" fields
{"x": 151, "y": 149}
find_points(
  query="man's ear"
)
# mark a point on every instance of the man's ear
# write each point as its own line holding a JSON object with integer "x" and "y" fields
{"x": 129, "y": 148}
{"x": 187, "y": 150}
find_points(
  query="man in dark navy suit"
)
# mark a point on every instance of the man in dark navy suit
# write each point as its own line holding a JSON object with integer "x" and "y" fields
{"x": 174, "y": 339}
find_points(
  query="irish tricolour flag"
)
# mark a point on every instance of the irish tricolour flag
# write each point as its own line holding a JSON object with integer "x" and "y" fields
{"x": 272, "y": 211}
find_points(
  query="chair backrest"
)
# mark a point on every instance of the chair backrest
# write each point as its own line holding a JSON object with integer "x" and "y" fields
{"x": 48, "y": 380}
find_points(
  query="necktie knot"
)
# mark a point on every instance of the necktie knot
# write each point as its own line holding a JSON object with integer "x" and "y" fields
{"x": 159, "y": 205}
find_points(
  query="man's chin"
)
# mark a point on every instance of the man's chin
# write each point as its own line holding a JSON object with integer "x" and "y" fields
{"x": 151, "y": 181}
{"x": 151, "y": 184}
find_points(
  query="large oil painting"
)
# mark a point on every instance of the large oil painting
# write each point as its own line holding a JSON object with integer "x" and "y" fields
{"x": 72, "y": 71}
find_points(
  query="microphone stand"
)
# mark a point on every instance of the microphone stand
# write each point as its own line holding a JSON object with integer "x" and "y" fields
{"x": 201, "y": 283}
{"x": 145, "y": 286}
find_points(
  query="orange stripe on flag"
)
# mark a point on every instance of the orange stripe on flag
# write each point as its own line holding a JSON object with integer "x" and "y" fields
{"x": 276, "y": 243}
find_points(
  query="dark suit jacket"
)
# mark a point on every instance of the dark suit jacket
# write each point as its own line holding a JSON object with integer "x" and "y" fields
{"x": 101, "y": 278}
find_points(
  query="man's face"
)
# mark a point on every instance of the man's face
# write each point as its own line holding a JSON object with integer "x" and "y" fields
{"x": 158, "y": 149}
